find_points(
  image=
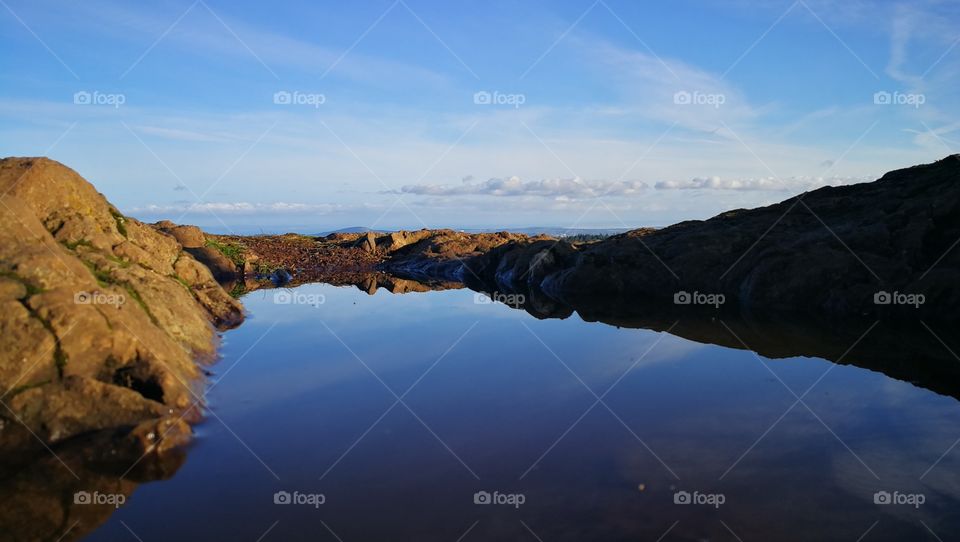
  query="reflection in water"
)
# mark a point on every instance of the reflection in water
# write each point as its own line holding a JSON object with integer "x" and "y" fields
{"x": 364, "y": 280}
{"x": 494, "y": 400}
{"x": 69, "y": 491}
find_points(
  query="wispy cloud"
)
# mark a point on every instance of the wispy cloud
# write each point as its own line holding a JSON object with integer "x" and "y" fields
{"x": 183, "y": 135}
{"x": 791, "y": 184}
{"x": 241, "y": 208}
{"x": 666, "y": 135}
{"x": 573, "y": 188}
{"x": 669, "y": 90}
{"x": 576, "y": 188}
{"x": 200, "y": 33}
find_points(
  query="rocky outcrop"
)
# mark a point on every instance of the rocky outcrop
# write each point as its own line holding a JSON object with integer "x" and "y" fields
{"x": 884, "y": 249}
{"x": 442, "y": 254}
{"x": 227, "y": 261}
{"x": 187, "y": 236}
{"x": 102, "y": 317}
{"x": 252, "y": 262}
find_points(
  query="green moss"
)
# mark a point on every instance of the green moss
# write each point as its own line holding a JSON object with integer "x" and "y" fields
{"x": 121, "y": 262}
{"x": 238, "y": 290}
{"x": 232, "y": 251}
{"x": 59, "y": 357}
{"x": 182, "y": 282}
{"x": 80, "y": 243}
{"x": 104, "y": 279}
{"x": 264, "y": 268}
{"x": 121, "y": 221}
{"x": 31, "y": 289}
{"x": 105, "y": 319}
{"x": 135, "y": 295}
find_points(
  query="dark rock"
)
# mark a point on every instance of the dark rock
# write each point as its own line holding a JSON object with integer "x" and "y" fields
{"x": 280, "y": 277}
{"x": 828, "y": 252}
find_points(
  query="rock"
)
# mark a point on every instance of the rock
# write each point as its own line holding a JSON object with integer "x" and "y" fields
{"x": 397, "y": 240}
{"x": 103, "y": 317}
{"x": 440, "y": 254}
{"x": 187, "y": 236}
{"x": 251, "y": 264}
{"x": 222, "y": 268}
{"x": 826, "y": 253}
{"x": 224, "y": 310}
{"x": 280, "y": 277}
{"x": 368, "y": 242}
{"x": 159, "y": 435}
{"x": 82, "y": 404}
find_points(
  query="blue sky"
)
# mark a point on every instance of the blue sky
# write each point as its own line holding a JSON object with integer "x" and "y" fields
{"x": 251, "y": 116}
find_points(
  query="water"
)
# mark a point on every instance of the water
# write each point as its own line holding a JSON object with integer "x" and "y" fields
{"x": 398, "y": 409}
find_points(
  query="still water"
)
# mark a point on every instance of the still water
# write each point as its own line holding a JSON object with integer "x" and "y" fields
{"x": 428, "y": 416}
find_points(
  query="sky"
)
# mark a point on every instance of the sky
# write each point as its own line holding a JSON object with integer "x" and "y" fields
{"x": 312, "y": 116}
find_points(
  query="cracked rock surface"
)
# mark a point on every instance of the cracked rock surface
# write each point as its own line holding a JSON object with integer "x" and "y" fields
{"x": 102, "y": 318}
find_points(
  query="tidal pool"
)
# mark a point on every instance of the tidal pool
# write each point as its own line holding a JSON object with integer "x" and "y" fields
{"x": 338, "y": 415}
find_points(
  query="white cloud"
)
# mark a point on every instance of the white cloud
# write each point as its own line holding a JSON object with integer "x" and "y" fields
{"x": 791, "y": 184}
{"x": 667, "y": 90}
{"x": 571, "y": 188}
{"x": 237, "y": 208}
{"x": 577, "y": 189}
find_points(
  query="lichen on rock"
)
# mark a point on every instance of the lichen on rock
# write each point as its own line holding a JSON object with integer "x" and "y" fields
{"x": 102, "y": 318}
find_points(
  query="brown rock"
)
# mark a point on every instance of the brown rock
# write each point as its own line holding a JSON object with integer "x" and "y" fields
{"x": 223, "y": 268}
{"x": 103, "y": 317}
{"x": 368, "y": 243}
{"x": 187, "y": 236}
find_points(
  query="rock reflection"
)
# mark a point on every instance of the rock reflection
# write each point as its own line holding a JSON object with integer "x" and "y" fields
{"x": 903, "y": 350}
{"x": 68, "y": 491}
